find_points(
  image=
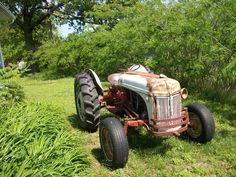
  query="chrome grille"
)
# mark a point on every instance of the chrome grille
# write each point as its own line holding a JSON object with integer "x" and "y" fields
{"x": 168, "y": 107}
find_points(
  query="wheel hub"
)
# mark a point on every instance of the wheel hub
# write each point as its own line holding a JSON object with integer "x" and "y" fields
{"x": 107, "y": 144}
{"x": 195, "y": 128}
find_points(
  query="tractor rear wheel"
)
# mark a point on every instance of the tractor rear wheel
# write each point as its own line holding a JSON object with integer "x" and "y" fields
{"x": 86, "y": 102}
{"x": 113, "y": 141}
{"x": 202, "y": 125}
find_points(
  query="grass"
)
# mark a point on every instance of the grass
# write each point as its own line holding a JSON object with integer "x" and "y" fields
{"x": 35, "y": 141}
{"x": 148, "y": 156}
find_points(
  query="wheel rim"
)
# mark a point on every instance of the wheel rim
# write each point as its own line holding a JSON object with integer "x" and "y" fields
{"x": 80, "y": 104}
{"x": 195, "y": 128}
{"x": 106, "y": 144}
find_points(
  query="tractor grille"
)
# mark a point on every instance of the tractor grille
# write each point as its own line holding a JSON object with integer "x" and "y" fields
{"x": 168, "y": 107}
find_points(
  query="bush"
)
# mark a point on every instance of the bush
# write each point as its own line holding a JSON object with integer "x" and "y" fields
{"x": 59, "y": 57}
{"x": 35, "y": 141}
{"x": 10, "y": 91}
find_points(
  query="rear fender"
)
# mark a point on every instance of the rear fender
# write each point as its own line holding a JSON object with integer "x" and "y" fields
{"x": 96, "y": 81}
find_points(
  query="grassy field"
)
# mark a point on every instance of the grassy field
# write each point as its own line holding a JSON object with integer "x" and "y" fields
{"x": 148, "y": 156}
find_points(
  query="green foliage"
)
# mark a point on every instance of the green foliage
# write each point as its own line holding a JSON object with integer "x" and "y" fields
{"x": 12, "y": 45}
{"x": 11, "y": 72}
{"x": 59, "y": 57}
{"x": 10, "y": 91}
{"x": 109, "y": 13}
{"x": 35, "y": 141}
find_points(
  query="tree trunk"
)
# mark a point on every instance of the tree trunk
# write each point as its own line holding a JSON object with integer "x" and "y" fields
{"x": 29, "y": 41}
{"x": 50, "y": 30}
{"x": 30, "y": 46}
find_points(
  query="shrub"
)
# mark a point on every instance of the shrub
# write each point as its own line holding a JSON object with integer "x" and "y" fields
{"x": 10, "y": 91}
{"x": 59, "y": 57}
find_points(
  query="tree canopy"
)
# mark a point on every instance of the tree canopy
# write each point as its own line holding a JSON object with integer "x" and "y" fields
{"x": 31, "y": 15}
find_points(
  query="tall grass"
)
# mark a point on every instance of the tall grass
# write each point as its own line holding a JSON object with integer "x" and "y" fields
{"x": 35, "y": 141}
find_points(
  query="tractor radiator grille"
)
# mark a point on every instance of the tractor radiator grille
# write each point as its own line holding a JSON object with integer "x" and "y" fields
{"x": 168, "y": 107}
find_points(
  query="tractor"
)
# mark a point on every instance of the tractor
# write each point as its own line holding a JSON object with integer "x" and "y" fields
{"x": 137, "y": 97}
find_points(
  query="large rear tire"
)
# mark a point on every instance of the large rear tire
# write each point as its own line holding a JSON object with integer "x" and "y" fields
{"x": 86, "y": 102}
{"x": 202, "y": 125}
{"x": 114, "y": 142}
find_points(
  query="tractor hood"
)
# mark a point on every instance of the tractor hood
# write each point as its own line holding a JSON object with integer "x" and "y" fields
{"x": 147, "y": 83}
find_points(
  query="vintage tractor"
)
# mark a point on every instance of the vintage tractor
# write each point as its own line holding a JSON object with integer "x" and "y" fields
{"x": 137, "y": 97}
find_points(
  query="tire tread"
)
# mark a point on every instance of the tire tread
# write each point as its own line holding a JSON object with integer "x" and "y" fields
{"x": 91, "y": 102}
{"x": 119, "y": 141}
{"x": 206, "y": 120}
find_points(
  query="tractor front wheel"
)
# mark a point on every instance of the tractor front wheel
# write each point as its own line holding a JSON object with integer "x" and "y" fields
{"x": 202, "y": 125}
{"x": 113, "y": 141}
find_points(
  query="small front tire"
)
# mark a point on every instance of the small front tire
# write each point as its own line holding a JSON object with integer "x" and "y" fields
{"x": 114, "y": 141}
{"x": 202, "y": 125}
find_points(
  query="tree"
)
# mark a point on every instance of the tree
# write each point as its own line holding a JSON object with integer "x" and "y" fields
{"x": 109, "y": 12}
{"x": 31, "y": 15}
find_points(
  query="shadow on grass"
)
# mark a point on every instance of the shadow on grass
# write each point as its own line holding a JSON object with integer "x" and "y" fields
{"x": 99, "y": 156}
{"x": 227, "y": 134}
{"x": 73, "y": 120}
{"x": 140, "y": 140}
{"x": 226, "y": 112}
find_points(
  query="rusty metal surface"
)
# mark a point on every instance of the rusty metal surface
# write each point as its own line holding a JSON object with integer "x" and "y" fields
{"x": 150, "y": 82}
{"x": 183, "y": 122}
{"x": 136, "y": 123}
{"x": 143, "y": 74}
{"x": 171, "y": 133}
{"x": 154, "y": 130}
{"x": 156, "y": 84}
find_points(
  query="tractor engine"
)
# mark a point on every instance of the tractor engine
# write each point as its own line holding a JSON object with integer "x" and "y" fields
{"x": 120, "y": 100}
{"x": 144, "y": 95}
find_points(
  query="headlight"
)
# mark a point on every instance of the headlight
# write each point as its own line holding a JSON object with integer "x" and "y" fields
{"x": 184, "y": 93}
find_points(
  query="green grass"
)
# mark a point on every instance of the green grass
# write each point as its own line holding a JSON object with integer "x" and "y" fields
{"x": 36, "y": 141}
{"x": 148, "y": 156}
